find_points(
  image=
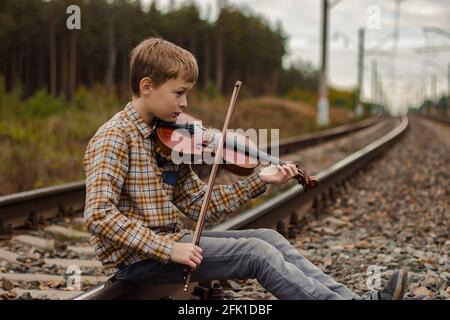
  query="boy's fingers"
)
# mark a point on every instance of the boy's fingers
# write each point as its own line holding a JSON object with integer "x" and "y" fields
{"x": 294, "y": 168}
{"x": 191, "y": 264}
{"x": 282, "y": 170}
{"x": 196, "y": 260}
{"x": 199, "y": 249}
{"x": 198, "y": 255}
{"x": 289, "y": 169}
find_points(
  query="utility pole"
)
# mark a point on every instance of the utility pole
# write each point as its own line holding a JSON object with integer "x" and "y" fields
{"x": 448, "y": 80}
{"x": 374, "y": 84}
{"x": 393, "y": 88}
{"x": 323, "y": 105}
{"x": 418, "y": 97}
{"x": 448, "y": 90}
{"x": 379, "y": 93}
{"x": 424, "y": 94}
{"x": 433, "y": 87}
{"x": 432, "y": 93}
{"x": 382, "y": 95}
{"x": 359, "y": 107}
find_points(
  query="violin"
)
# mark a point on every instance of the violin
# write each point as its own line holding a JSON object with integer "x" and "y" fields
{"x": 188, "y": 139}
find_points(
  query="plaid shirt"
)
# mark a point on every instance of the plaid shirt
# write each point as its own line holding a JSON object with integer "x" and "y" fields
{"x": 133, "y": 201}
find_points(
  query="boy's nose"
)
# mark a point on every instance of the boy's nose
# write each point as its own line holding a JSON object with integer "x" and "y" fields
{"x": 183, "y": 103}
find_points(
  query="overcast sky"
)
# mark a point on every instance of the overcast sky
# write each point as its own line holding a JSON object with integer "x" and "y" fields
{"x": 301, "y": 21}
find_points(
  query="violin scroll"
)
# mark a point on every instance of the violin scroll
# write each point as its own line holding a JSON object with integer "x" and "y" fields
{"x": 306, "y": 182}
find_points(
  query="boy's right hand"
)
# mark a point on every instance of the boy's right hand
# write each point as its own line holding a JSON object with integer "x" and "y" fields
{"x": 277, "y": 174}
{"x": 187, "y": 254}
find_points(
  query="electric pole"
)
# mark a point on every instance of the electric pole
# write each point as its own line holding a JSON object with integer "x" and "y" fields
{"x": 359, "y": 107}
{"x": 448, "y": 90}
{"x": 323, "y": 105}
{"x": 374, "y": 89}
{"x": 433, "y": 87}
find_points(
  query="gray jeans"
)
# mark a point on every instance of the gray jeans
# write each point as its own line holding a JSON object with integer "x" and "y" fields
{"x": 263, "y": 254}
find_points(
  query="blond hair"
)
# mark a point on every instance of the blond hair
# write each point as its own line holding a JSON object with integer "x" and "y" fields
{"x": 160, "y": 60}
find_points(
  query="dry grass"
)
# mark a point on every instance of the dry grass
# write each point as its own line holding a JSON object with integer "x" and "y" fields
{"x": 39, "y": 151}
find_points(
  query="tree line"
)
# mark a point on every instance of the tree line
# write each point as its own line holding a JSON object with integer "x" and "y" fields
{"x": 38, "y": 51}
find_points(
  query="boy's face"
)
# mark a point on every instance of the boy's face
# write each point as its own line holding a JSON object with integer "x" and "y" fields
{"x": 167, "y": 101}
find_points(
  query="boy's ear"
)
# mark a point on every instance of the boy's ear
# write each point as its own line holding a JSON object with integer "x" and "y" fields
{"x": 145, "y": 86}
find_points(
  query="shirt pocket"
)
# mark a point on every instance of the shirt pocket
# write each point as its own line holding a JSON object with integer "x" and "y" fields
{"x": 168, "y": 181}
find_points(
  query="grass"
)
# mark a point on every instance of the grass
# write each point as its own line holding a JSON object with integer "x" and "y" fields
{"x": 43, "y": 138}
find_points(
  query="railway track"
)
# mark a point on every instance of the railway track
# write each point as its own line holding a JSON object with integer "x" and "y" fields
{"x": 32, "y": 208}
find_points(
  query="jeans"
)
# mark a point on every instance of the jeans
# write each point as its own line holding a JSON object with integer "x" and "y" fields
{"x": 261, "y": 254}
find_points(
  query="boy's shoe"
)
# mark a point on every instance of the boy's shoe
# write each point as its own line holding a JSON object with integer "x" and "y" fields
{"x": 417, "y": 297}
{"x": 394, "y": 289}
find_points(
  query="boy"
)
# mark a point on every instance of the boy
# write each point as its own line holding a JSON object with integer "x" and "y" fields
{"x": 134, "y": 199}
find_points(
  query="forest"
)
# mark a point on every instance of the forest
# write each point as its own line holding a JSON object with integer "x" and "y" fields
{"x": 38, "y": 50}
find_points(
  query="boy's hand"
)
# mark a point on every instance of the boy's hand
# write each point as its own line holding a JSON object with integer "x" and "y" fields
{"x": 187, "y": 254}
{"x": 276, "y": 174}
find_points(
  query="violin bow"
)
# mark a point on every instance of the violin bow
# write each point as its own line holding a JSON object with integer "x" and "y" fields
{"x": 212, "y": 177}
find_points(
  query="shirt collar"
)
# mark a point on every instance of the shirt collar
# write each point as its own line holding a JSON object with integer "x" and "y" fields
{"x": 132, "y": 114}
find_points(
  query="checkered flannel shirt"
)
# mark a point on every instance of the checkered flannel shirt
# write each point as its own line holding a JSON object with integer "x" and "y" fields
{"x": 132, "y": 210}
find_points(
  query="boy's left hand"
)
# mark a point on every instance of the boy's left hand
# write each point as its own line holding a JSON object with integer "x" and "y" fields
{"x": 276, "y": 174}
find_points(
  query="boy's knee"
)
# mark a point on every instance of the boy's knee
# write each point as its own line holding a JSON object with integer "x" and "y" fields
{"x": 259, "y": 248}
{"x": 260, "y": 254}
{"x": 270, "y": 234}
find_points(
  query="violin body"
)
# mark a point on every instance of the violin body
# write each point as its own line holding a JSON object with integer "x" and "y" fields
{"x": 187, "y": 139}
{"x": 177, "y": 138}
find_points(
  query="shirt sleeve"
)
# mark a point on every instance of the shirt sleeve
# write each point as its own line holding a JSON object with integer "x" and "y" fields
{"x": 106, "y": 167}
{"x": 190, "y": 189}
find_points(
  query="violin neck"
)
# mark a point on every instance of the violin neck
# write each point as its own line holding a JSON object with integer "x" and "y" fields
{"x": 268, "y": 158}
{"x": 254, "y": 152}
